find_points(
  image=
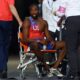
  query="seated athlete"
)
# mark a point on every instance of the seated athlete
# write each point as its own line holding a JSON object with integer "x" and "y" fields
{"x": 34, "y": 29}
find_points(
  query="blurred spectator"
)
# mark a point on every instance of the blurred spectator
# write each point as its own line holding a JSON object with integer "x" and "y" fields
{"x": 40, "y": 7}
{"x": 47, "y": 9}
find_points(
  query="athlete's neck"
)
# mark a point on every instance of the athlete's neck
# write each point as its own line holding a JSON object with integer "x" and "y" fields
{"x": 34, "y": 17}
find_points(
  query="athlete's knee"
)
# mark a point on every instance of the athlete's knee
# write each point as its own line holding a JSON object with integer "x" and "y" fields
{"x": 34, "y": 46}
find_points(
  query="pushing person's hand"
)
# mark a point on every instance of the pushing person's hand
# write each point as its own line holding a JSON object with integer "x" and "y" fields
{"x": 20, "y": 23}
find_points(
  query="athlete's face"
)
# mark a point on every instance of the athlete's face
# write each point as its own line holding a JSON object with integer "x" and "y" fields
{"x": 34, "y": 11}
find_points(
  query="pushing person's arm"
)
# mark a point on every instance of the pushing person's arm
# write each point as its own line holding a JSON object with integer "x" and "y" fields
{"x": 15, "y": 14}
{"x": 60, "y": 22}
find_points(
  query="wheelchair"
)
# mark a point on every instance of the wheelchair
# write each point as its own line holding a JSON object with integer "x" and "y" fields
{"x": 32, "y": 59}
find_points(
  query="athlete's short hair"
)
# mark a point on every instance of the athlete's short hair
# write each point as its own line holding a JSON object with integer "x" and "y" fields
{"x": 34, "y": 4}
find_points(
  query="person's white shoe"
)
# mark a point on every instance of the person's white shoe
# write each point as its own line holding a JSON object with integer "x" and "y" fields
{"x": 49, "y": 74}
{"x": 56, "y": 72}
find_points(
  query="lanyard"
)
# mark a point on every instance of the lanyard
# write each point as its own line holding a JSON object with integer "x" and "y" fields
{"x": 33, "y": 22}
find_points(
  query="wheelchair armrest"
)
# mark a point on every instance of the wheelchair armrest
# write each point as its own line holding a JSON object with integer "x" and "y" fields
{"x": 45, "y": 51}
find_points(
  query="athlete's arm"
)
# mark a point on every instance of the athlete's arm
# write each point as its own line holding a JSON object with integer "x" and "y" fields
{"x": 25, "y": 31}
{"x": 48, "y": 36}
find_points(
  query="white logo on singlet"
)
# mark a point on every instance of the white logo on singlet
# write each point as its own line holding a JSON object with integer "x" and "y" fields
{"x": 35, "y": 27}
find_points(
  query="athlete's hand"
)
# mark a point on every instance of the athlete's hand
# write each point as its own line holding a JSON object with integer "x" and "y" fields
{"x": 53, "y": 43}
{"x": 43, "y": 42}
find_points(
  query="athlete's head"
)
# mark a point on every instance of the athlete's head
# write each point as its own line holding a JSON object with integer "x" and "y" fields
{"x": 34, "y": 11}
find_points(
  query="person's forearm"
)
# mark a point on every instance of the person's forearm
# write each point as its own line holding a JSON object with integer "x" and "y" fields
{"x": 15, "y": 13}
{"x": 59, "y": 23}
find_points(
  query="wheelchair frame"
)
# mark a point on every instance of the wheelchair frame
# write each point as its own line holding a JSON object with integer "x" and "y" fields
{"x": 22, "y": 66}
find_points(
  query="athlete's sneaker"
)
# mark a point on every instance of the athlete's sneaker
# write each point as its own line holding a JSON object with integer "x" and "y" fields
{"x": 56, "y": 72}
{"x": 49, "y": 74}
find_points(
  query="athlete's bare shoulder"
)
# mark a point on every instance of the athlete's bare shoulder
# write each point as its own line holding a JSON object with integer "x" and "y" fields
{"x": 43, "y": 21}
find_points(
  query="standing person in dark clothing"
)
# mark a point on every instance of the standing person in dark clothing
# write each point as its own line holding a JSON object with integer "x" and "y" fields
{"x": 72, "y": 24}
{"x": 7, "y": 8}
